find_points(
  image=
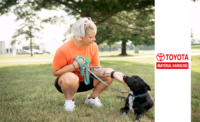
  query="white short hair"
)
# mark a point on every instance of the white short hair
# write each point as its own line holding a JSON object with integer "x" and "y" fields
{"x": 83, "y": 27}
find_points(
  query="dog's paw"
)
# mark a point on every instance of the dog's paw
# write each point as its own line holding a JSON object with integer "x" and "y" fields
{"x": 122, "y": 111}
{"x": 137, "y": 121}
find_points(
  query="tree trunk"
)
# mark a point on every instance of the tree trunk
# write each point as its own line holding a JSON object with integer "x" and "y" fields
{"x": 109, "y": 47}
{"x": 124, "y": 48}
{"x": 101, "y": 49}
{"x": 31, "y": 46}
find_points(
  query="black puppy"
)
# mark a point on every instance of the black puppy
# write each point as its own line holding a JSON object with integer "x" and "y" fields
{"x": 139, "y": 99}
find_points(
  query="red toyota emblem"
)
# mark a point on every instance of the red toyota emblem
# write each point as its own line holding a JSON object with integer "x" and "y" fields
{"x": 160, "y": 57}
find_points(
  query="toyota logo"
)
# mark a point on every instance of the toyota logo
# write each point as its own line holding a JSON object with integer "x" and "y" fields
{"x": 160, "y": 57}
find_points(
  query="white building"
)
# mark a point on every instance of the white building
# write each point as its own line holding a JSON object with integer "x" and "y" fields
{"x": 7, "y": 48}
{"x": 51, "y": 34}
{"x": 51, "y": 45}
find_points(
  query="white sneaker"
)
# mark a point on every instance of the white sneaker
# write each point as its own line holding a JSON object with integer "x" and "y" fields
{"x": 93, "y": 101}
{"x": 69, "y": 105}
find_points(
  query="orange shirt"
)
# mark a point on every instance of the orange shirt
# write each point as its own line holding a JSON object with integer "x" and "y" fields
{"x": 68, "y": 51}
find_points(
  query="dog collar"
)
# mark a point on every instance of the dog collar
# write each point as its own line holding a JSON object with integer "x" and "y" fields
{"x": 140, "y": 95}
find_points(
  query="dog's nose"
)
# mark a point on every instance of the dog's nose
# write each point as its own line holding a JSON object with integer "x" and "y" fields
{"x": 125, "y": 78}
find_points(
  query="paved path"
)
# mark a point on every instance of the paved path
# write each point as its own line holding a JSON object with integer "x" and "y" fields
{"x": 195, "y": 53}
{"x": 198, "y": 53}
{"x": 195, "y": 50}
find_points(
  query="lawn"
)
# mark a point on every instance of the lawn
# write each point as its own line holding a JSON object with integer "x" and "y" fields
{"x": 195, "y": 47}
{"x": 27, "y": 93}
{"x": 195, "y": 90}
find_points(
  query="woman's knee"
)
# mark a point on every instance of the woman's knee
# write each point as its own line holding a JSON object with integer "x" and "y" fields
{"x": 110, "y": 80}
{"x": 69, "y": 79}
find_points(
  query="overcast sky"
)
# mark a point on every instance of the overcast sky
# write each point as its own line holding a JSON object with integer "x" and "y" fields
{"x": 195, "y": 19}
{"x": 8, "y": 26}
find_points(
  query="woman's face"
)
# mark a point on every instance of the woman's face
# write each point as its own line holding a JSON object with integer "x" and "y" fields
{"x": 89, "y": 39}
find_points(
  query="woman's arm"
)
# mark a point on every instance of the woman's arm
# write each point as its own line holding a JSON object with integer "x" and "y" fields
{"x": 59, "y": 72}
{"x": 106, "y": 72}
{"x": 67, "y": 68}
{"x": 101, "y": 72}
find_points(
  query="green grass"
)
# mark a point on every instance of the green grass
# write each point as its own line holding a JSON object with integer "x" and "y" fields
{"x": 195, "y": 47}
{"x": 27, "y": 93}
{"x": 26, "y": 57}
{"x": 195, "y": 90}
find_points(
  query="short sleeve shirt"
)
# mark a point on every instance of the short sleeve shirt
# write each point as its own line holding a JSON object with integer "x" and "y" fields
{"x": 68, "y": 51}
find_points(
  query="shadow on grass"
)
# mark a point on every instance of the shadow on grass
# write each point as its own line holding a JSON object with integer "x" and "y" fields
{"x": 27, "y": 93}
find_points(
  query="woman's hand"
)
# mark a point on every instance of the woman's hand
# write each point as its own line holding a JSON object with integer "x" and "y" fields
{"x": 77, "y": 64}
{"x": 119, "y": 76}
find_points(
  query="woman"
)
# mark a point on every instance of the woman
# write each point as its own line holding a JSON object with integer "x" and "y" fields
{"x": 65, "y": 68}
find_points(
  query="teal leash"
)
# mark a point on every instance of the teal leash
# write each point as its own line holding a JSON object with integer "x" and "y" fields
{"x": 105, "y": 83}
{"x": 87, "y": 80}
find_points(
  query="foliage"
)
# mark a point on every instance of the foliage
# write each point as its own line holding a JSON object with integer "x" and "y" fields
{"x": 136, "y": 26}
{"x": 192, "y": 34}
{"x": 30, "y": 27}
{"x": 98, "y": 10}
{"x": 55, "y": 20}
{"x": 103, "y": 33}
{"x": 119, "y": 15}
{"x": 5, "y": 5}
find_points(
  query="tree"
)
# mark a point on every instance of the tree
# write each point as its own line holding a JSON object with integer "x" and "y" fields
{"x": 30, "y": 27}
{"x": 136, "y": 26}
{"x": 103, "y": 33}
{"x": 98, "y": 10}
{"x": 192, "y": 34}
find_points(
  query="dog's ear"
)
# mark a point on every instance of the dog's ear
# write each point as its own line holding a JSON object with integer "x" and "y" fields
{"x": 146, "y": 86}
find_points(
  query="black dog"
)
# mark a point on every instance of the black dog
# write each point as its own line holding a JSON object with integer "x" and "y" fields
{"x": 139, "y": 100}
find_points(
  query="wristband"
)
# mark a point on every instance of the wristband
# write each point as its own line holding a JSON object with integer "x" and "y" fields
{"x": 112, "y": 74}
